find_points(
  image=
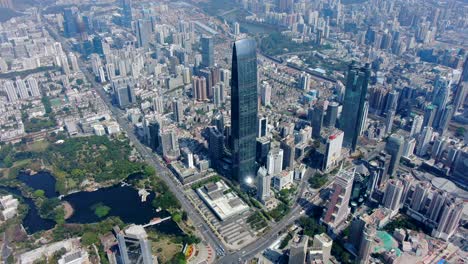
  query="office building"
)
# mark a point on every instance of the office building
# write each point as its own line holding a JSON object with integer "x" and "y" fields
{"x": 389, "y": 121}
{"x": 244, "y": 109}
{"x": 440, "y": 144}
{"x": 338, "y": 206}
{"x": 321, "y": 248}
{"x": 392, "y": 195}
{"x": 460, "y": 168}
{"x": 429, "y": 115}
{"x": 275, "y": 161}
{"x": 124, "y": 94}
{"x": 460, "y": 94}
{"x": 445, "y": 119}
{"x": 364, "y": 118}
{"x": 263, "y": 148}
{"x": 70, "y": 26}
{"x": 127, "y": 13}
{"x": 134, "y": 247}
{"x": 207, "y": 46}
{"x": 262, "y": 127}
{"x": 352, "y": 116}
{"x": 316, "y": 116}
{"x": 288, "y": 146}
{"x": 304, "y": 82}
{"x": 178, "y": 110}
{"x": 394, "y": 147}
{"x": 216, "y": 146}
{"x": 266, "y": 93}
{"x": 298, "y": 249}
{"x": 367, "y": 240}
{"x": 263, "y": 185}
{"x": 332, "y": 146}
{"x": 441, "y": 94}
{"x": 169, "y": 144}
{"x": 331, "y": 115}
{"x": 144, "y": 32}
{"x": 417, "y": 125}
{"x": 392, "y": 101}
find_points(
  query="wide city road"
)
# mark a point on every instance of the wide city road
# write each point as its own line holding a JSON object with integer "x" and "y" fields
{"x": 240, "y": 256}
{"x": 164, "y": 173}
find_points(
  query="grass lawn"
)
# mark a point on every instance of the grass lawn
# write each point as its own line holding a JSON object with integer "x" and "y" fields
{"x": 165, "y": 249}
{"x": 38, "y": 146}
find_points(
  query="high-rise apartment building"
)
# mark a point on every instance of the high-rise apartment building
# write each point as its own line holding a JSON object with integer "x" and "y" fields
{"x": 392, "y": 195}
{"x": 417, "y": 125}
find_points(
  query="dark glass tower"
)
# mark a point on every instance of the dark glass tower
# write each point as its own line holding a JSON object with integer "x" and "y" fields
{"x": 127, "y": 13}
{"x": 353, "y": 106}
{"x": 69, "y": 22}
{"x": 244, "y": 109}
{"x": 207, "y": 47}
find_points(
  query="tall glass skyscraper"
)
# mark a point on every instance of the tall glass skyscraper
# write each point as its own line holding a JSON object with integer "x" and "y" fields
{"x": 244, "y": 109}
{"x": 353, "y": 106}
{"x": 127, "y": 13}
{"x": 70, "y": 27}
{"x": 207, "y": 47}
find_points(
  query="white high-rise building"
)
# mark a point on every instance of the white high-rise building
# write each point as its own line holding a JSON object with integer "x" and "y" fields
{"x": 73, "y": 62}
{"x": 417, "y": 125}
{"x": 22, "y": 89}
{"x": 392, "y": 195}
{"x": 263, "y": 185}
{"x": 266, "y": 93}
{"x": 11, "y": 91}
{"x": 305, "y": 81}
{"x": 218, "y": 94}
{"x": 364, "y": 118}
{"x": 332, "y": 150}
{"x": 95, "y": 63}
{"x": 33, "y": 87}
{"x": 236, "y": 28}
{"x": 102, "y": 75}
{"x": 275, "y": 161}
{"x": 423, "y": 141}
{"x": 158, "y": 105}
{"x": 408, "y": 147}
{"x": 110, "y": 69}
{"x": 449, "y": 220}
